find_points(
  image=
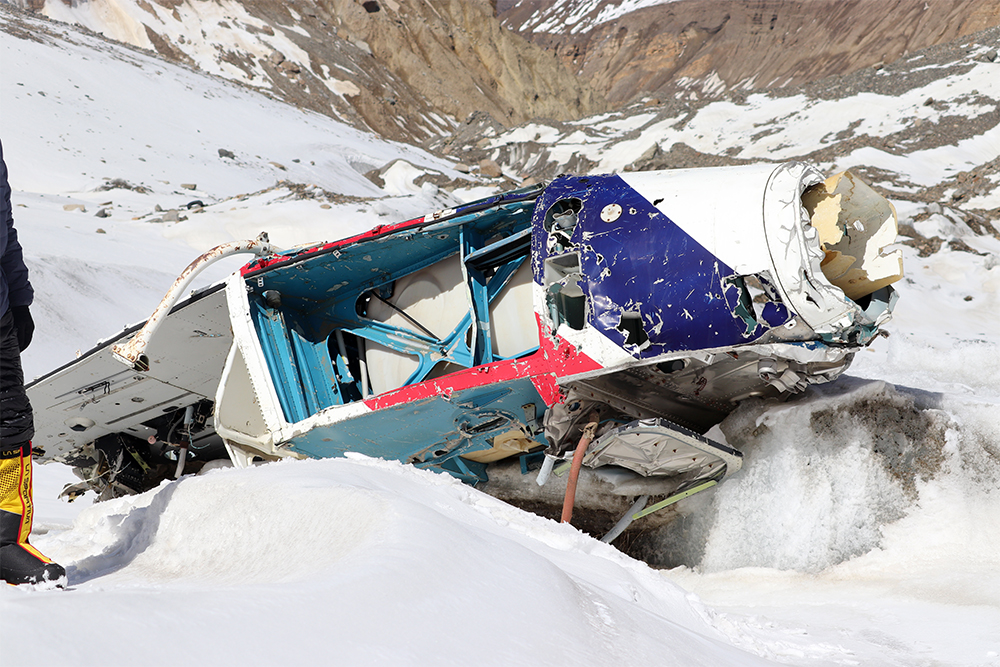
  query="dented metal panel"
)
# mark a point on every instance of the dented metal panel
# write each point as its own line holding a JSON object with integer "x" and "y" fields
{"x": 658, "y": 447}
{"x": 721, "y": 209}
{"x": 648, "y": 284}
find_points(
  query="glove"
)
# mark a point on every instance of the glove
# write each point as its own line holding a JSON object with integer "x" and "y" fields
{"x": 24, "y": 325}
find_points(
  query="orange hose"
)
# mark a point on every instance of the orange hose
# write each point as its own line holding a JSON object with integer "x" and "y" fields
{"x": 589, "y": 432}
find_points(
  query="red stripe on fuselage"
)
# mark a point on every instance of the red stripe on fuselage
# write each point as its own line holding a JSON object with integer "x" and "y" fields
{"x": 554, "y": 359}
{"x": 381, "y": 230}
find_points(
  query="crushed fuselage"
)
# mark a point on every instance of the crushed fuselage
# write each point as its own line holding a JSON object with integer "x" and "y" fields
{"x": 490, "y": 333}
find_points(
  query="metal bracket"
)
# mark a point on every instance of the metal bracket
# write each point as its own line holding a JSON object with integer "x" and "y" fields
{"x": 133, "y": 352}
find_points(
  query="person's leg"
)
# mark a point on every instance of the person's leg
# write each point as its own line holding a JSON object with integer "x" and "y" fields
{"x": 20, "y": 562}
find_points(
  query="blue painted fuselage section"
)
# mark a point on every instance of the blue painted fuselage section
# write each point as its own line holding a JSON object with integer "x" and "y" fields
{"x": 642, "y": 265}
{"x": 646, "y": 284}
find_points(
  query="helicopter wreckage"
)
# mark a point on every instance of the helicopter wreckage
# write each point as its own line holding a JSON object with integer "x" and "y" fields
{"x": 593, "y": 329}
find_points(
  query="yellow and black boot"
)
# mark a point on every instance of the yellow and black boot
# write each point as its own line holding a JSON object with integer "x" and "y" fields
{"x": 20, "y": 563}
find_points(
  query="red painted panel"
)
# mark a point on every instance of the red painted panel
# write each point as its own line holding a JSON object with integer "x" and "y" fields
{"x": 554, "y": 359}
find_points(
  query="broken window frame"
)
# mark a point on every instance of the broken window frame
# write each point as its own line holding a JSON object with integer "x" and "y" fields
{"x": 310, "y": 376}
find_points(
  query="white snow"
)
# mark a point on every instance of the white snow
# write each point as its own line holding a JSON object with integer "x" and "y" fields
{"x": 579, "y": 15}
{"x": 161, "y": 127}
{"x": 750, "y": 130}
{"x": 812, "y": 555}
{"x": 226, "y": 27}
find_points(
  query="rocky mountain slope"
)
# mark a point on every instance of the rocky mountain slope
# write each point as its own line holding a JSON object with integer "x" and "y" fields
{"x": 442, "y": 73}
{"x": 662, "y": 48}
{"x": 413, "y": 69}
{"x": 924, "y": 131}
{"x": 406, "y": 69}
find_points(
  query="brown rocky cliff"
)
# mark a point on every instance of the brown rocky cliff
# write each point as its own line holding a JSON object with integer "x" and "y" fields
{"x": 459, "y": 57}
{"x": 707, "y": 46}
{"x": 407, "y": 69}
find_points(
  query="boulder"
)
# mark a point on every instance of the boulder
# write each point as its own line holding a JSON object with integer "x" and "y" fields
{"x": 490, "y": 168}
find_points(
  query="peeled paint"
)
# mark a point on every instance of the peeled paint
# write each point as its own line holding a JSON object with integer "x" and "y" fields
{"x": 855, "y": 225}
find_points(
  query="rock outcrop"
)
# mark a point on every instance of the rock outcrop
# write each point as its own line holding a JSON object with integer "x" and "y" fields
{"x": 705, "y": 47}
{"x": 461, "y": 60}
{"x": 407, "y": 69}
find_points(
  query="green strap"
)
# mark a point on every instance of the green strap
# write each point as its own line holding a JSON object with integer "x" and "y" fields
{"x": 673, "y": 499}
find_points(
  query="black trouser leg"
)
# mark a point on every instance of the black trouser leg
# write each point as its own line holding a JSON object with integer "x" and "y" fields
{"x": 19, "y": 561}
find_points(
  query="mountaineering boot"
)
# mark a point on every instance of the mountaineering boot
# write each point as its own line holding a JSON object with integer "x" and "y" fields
{"x": 20, "y": 563}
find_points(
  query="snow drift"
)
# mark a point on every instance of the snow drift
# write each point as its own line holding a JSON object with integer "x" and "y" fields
{"x": 370, "y": 561}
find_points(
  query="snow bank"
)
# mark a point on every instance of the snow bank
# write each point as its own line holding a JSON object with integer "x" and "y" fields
{"x": 827, "y": 474}
{"x": 816, "y": 490}
{"x": 837, "y": 543}
{"x": 866, "y": 516}
{"x": 363, "y": 561}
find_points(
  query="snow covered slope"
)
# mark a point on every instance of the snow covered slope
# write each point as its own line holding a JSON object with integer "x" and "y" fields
{"x": 350, "y": 562}
{"x": 863, "y": 528}
{"x": 408, "y": 70}
{"x": 575, "y": 16}
{"x": 105, "y": 130}
{"x": 914, "y": 125}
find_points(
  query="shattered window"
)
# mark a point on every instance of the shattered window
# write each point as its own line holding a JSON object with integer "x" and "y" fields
{"x": 560, "y": 222}
{"x": 565, "y": 298}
